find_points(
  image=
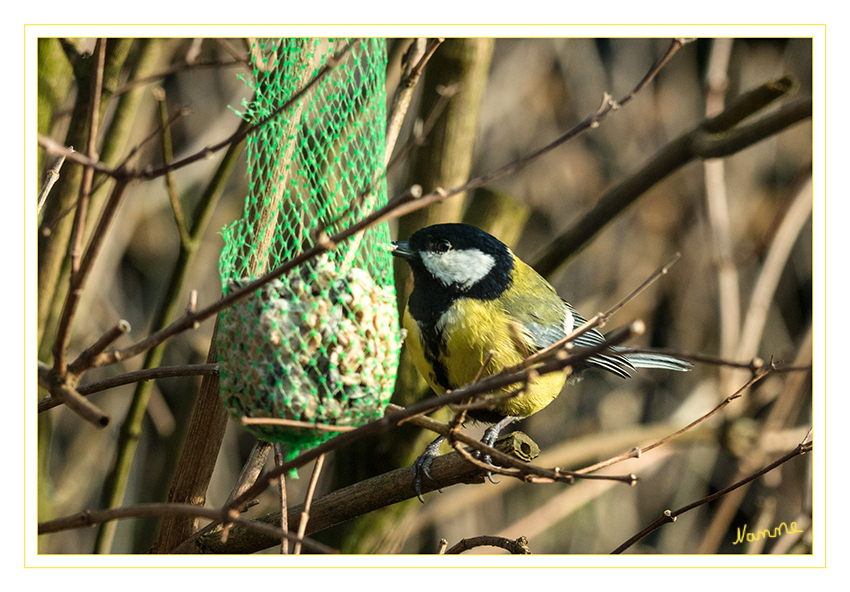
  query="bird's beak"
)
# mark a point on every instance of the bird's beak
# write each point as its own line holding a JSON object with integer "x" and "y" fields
{"x": 402, "y": 249}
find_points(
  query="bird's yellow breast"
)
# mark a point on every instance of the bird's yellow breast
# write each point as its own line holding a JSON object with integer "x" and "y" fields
{"x": 469, "y": 330}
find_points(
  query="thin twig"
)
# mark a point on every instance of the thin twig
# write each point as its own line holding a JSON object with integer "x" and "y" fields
{"x": 308, "y": 501}
{"x": 252, "y": 468}
{"x": 717, "y": 82}
{"x": 780, "y": 249}
{"x": 415, "y": 59}
{"x": 668, "y": 516}
{"x": 284, "y": 505}
{"x": 92, "y": 517}
{"x": 712, "y": 138}
{"x": 80, "y": 275}
{"x": 122, "y": 327}
{"x": 514, "y": 546}
{"x": 85, "y": 390}
{"x": 238, "y": 136}
{"x": 167, "y": 156}
{"x": 62, "y": 389}
{"x": 293, "y": 423}
{"x": 91, "y": 152}
{"x": 55, "y": 148}
{"x": 78, "y": 229}
{"x": 425, "y": 406}
{"x": 637, "y": 452}
{"x": 50, "y": 179}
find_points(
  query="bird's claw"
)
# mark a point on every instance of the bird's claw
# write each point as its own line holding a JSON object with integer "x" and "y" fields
{"x": 488, "y": 439}
{"x": 422, "y": 466}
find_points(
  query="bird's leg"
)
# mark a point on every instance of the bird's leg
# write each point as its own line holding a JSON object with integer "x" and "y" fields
{"x": 490, "y": 435}
{"x": 423, "y": 463}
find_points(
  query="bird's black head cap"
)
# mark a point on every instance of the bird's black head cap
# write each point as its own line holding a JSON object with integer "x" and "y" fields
{"x": 458, "y": 260}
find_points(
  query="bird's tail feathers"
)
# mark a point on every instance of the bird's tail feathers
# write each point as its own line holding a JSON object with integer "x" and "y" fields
{"x": 654, "y": 360}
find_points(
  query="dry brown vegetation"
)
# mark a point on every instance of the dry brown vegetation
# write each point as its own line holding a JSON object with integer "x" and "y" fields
{"x": 712, "y": 160}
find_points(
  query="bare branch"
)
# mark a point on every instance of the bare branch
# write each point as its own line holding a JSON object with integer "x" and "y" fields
{"x": 515, "y": 547}
{"x": 668, "y": 516}
{"x": 92, "y": 517}
{"x": 131, "y": 174}
{"x": 591, "y": 121}
{"x": 63, "y": 390}
{"x": 361, "y": 498}
{"x": 50, "y": 179}
{"x": 397, "y": 207}
{"x": 91, "y": 152}
{"x": 167, "y": 156}
{"x": 79, "y": 277}
{"x": 637, "y": 452}
{"x": 122, "y": 327}
{"x": 713, "y": 138}
{"x": 415, "y": 59}
{"x": 308, "y": 501}
{"x": 131, "y": 377}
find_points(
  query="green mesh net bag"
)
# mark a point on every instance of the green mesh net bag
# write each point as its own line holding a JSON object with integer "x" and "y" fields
{"x": 319, "y": 345}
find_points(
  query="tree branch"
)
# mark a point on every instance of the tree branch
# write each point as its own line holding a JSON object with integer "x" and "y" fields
{"x": 515, "y": 547}
{"x": 93, "y": 517}
{"x": 668, "y": 516}
{"x": 713, "y": 138}
{"x": 363, "y": 497}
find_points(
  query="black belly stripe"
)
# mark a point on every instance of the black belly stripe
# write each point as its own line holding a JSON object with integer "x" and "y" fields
{"x": 432, "y": 343}
{"x": 426, "y": 305}
{"x": 430, "y": 299}
{"x": 441, "y": 373}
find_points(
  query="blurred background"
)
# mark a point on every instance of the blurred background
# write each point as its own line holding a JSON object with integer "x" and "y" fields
{"x": 741, "y": 289}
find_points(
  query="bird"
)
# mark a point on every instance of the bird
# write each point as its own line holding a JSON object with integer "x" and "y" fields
{"x": 475, "y": 309}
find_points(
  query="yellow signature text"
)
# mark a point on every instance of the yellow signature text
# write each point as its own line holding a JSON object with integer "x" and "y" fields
{"x": 766, "y": 533}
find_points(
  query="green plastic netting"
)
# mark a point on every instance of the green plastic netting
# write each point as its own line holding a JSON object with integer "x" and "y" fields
{"x": 321, "y": 344}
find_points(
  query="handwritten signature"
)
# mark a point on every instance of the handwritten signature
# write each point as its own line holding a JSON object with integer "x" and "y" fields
{"x": 766, "y": 533}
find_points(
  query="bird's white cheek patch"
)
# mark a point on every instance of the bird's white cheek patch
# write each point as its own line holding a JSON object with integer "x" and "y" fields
{"x": 462, "y": 268}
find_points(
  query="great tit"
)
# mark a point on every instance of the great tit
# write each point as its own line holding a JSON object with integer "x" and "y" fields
{"x": 472, "y": 296}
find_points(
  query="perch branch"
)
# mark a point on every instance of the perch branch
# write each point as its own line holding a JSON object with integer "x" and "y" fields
{"x": 360, "y": 498}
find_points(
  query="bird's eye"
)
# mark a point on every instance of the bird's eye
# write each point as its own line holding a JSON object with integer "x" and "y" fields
{"x": 442, "y": 246}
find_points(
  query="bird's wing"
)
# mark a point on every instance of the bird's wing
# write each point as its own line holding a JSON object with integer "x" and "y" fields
{"x": 540, "y": 313}
{"x": 612, "y": 362}
{"x": 545, "y": 318}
